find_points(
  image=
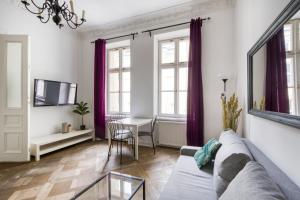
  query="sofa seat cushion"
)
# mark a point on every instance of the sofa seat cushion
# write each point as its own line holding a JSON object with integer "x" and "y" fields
{"x": 188, "y": 182}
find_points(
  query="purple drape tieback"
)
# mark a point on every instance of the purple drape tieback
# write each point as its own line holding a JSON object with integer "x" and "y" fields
{"x": 99, "y": 89}
{"x": 277, "y": 98}
{"x": 195, "y": 110}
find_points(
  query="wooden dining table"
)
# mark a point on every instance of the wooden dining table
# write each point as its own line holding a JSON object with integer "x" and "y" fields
{"x": 134, "y": 124}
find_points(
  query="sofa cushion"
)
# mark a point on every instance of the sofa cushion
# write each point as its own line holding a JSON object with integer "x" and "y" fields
{"x": 252, "y": 183}
{"x": 204, "y": 155}
{"x": 231, "y": 158}
{"x": 188, "y": 182}
{"x": 229, "y": 137}
{"x": 290, "y": 190}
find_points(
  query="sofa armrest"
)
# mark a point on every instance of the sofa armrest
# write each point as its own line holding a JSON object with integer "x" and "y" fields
{"x": 189, "y": 150}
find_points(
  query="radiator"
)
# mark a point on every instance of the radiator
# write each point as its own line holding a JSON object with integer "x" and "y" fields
{"x": 171, "y": 133}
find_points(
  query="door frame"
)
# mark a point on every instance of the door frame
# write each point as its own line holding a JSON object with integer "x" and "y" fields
{"x": 19, "y": 117}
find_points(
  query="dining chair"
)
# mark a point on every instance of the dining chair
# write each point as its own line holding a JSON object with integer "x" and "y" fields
{"x": 119, "y": 134}
{"x": 151, "y": 133}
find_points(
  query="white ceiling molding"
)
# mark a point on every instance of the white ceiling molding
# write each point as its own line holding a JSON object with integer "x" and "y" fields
{"x": 175, "y": 14}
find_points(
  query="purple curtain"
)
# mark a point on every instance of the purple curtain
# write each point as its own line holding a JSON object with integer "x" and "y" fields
{"x": 277, "y": 98}
{"x": 195, "y": 118}
{"x": 99, "y": 89}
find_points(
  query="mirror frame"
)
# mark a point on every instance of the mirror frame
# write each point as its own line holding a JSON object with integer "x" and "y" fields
{"x": 287, "y": 119}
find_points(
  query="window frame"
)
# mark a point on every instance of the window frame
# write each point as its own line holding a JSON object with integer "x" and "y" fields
{"x": 176, "y": 66}
{"x": 294, "y": 54}
{"x": 119, "y": 71}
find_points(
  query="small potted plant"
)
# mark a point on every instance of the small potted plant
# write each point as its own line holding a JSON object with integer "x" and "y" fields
{"x": 81, "y": 109}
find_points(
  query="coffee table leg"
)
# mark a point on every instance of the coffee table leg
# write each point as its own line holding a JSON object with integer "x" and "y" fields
{"x": 144, "y": 191}
{"x": 109, "y": 187}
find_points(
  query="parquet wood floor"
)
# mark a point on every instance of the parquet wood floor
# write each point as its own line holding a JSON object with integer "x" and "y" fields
{"x": 59, "y": 175}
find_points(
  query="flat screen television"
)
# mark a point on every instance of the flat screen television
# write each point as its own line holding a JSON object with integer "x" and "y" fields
{"x": 54, "y": 93}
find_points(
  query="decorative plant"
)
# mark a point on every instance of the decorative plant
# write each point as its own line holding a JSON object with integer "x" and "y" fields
{"x": 231, "y": 112}
{"x": 81, "y": 109}
{"x": 262, "y": 104}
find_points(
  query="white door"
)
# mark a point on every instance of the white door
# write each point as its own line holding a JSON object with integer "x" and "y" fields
{"x": 14, "y": 98}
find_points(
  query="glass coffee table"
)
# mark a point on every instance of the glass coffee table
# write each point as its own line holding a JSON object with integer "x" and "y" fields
{"x": 113, "y": 186}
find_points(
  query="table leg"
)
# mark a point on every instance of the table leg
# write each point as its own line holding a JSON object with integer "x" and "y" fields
{"x": 109, "y": 143}
{"x": 136, "y": 142}
{"x": 144, "y": 191}
{"x": 37, "y": 152}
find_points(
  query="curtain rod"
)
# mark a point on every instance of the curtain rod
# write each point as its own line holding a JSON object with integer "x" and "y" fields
{"x": 150, "y": 30}
{"x": 121, "y": 36}
{"x": 164, "y": 27}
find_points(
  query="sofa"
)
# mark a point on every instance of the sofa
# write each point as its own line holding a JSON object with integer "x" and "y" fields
{"x": 188, "y": 182}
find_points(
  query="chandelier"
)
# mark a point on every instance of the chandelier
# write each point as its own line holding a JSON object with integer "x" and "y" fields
{"x": 52, "y": 8}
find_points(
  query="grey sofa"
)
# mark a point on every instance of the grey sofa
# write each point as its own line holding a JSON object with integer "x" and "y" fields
{"x": 189, "y": 183}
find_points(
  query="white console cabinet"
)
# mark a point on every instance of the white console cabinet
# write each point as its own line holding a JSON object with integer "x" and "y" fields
{"x": 53, "y": 142}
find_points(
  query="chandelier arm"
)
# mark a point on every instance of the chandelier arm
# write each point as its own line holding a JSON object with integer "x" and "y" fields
{"x": 36, "y": 13}
{"x": 47, "y": 4}
{"x": 74, "y": 23}
{"x": 70, "y": 19}
{"x": 68, "y": 15}
{"x": 41, "y": 19}
{"x": 50, "y": 11}
{"x": 64, "y": 15}
{"x": 71, "y": 26}
{"x": 37, "y": 5}
{"x": 82, "y": 21}
{"x": 62, "y": 7}
{"x": 66, "y": 11}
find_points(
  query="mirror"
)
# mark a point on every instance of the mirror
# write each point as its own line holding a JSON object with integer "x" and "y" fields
{"x": 274, "y": 70}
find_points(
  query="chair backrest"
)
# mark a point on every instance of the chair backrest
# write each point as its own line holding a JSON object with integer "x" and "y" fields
{"x": 118, "y": 116}
{"x": 111, "y": 127}
{"x": 114, "y": 125}
{"x": 153, "y": 124}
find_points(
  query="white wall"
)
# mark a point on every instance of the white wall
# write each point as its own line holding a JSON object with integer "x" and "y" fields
{"x": 279, "y": 142}
{"x": 217, "y": 59}
{"x": 55, "y": 55}
{"x": 142, "y": 76}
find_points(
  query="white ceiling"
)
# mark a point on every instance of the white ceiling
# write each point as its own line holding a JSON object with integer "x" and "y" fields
{"x": 100, "y": 12}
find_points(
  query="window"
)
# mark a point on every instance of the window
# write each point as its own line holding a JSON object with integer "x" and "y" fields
{"x": 118, "y": 65}
{"x": 292, "y": 47}
{"x": 173, "y": 76}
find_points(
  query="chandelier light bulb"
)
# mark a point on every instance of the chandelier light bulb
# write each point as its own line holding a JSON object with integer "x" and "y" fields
{"x": 83, "y": 14}
{"x": 72, "y": 6}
